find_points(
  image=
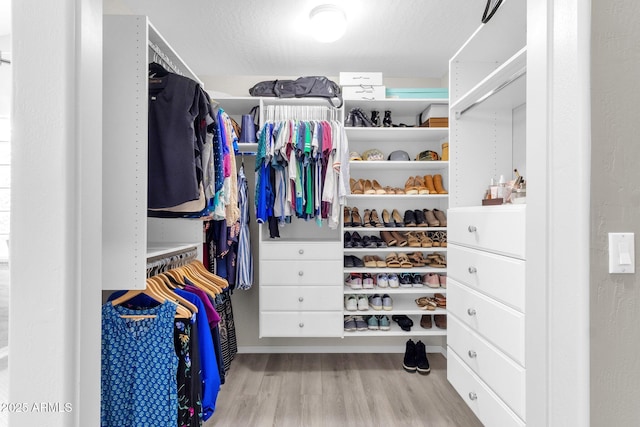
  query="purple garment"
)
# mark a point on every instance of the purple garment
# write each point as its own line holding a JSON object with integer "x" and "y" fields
{"x": 212, "y": 314}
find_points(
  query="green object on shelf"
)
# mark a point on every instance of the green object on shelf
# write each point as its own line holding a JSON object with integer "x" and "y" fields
{"x": 413, "y": 93}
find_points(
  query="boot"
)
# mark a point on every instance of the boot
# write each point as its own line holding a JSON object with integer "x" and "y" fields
{"x": 409, "y": 363}
{"x": 422, "y": 363}
{"x": 386, "y": 122}
{"x": 428, "y": 181}
{"x": 375, "y": 118}
{"x": 437, "y": 182}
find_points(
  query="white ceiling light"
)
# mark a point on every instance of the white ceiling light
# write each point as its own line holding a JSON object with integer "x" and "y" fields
{"x": 328, "y": 23}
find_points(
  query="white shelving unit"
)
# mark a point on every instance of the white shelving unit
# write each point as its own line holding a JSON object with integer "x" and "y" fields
{"x": 129, "y": 238}
{"x": 413, "y": 140}
{"x": 487, "y": 262}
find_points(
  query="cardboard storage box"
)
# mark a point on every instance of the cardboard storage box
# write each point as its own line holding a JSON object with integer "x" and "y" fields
{"x": 419, "y": 93}
{"x": 436, "y": 122}
{"x": 434, "y": 110}
{"x": 360, "y": 78}
{"x": 363, "y": 92}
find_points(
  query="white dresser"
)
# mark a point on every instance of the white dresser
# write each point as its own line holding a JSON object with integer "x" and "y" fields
{"x": 486, "y": 287}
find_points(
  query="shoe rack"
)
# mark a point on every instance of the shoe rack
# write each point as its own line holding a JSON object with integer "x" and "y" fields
{"x": 406, "y": 136}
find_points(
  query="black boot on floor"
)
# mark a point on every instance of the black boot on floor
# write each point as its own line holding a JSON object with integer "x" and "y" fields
{"x": 422, "y": 363}
{"x": 409, "y": 364}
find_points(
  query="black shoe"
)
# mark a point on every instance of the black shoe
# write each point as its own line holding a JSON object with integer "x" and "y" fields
{"x": 416, "y": 279}
{"x": 421, "y": 220}
{"x": 409, "y": 218}
{"x": 356, "y": 240}
{"x": 347, "y": 240}
{"x": 422, "y": 363}
{"x": 348, "y": 261}
{"x": 357, "y": 262}
{"x": 375, "y": 118}
{"x": 409, "y": 363}
{"x": 368, "y": 242}
{"x": 403, "y": 321}
{"x": 386, "y": 122}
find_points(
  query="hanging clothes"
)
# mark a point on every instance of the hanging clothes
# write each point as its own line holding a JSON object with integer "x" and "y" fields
{"x": 139, "y": 367}
{"x": 244, "y": 268}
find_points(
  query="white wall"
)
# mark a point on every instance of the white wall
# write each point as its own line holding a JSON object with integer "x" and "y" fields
{"x": 5, "y": 146}
{"x": 615, "y": 207}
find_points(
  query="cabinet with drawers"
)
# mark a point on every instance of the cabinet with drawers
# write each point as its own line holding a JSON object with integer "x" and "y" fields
{"x": 486, "y": 255}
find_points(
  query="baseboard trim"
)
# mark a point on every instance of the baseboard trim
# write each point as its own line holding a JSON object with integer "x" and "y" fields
{"x": 333, "y": 349}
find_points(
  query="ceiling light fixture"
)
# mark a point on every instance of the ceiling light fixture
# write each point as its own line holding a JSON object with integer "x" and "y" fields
{"x": 328, "y": 23}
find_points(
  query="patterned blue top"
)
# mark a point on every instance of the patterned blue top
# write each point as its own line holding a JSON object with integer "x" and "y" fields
{"x": 139, "y": 366}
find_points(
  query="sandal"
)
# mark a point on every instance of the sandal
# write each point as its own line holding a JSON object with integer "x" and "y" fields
{"x": 410, "y": 186}
{"x": 401, "y": 241}
{"x": 392, "y": 260}
{"x": 426, "y": 303}
{"x": 442, "y": 236}
{"x": 388, "y": 238}
{"x": 433, "y": 235}
{"x": 425, "y": 240}
{"x": 404, "y": 261}
{"x": 369, "y": 261}
{"x": 413, "y": 241}
{"x": 379, "y": 261}
{"x": 437, "y": 260}
{"x": 417, "y": 260}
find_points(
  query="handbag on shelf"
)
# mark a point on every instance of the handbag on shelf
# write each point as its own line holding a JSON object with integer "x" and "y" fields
{"x": 302, "y": 87}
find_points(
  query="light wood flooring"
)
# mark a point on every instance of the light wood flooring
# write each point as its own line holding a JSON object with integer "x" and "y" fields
{"x": 336, "y": 390}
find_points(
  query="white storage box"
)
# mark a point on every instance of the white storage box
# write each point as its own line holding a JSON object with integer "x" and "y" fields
{"x": 434, "y": 110}
{"x": 363, "y": 92}
{"x": 348, "y": 78}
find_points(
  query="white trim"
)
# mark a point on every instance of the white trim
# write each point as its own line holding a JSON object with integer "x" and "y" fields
{"x": 287, "y": 349}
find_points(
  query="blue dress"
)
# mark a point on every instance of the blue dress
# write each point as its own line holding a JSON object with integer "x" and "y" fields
{"x": 139, "y": 366}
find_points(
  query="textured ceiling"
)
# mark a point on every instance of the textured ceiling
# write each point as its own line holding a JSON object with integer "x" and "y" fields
{"x": 401, "y": 38}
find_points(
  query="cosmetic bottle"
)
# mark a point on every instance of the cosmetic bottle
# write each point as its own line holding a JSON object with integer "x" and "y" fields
{"x": 501, "y": 187}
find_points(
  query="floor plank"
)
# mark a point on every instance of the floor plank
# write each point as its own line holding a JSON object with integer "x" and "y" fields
{"x": 336, "y": 390}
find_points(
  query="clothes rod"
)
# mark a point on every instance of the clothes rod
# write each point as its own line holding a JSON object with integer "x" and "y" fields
{"x": 489, "y": 94}
{"x": 4, "y": 61}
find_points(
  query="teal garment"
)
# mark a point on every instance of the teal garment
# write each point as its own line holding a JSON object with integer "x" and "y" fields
{"x": 139, "y": 367}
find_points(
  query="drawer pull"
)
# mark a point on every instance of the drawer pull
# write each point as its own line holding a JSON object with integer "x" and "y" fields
{"x": 471, "y": 311}
{"x": 300, "y": 299}
{"x": 472, "y": 229}
{"x": 473, "y": 396}
{"x": 301, "y": 251}
{"x": 472, "y": 354}
{"x": 472, "y": 270}
{"x": 301, "y": 324}
{"x": 300, "y": 273}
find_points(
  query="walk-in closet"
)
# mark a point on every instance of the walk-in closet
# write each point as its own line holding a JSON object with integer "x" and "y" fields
{"x": 276, "y": 229}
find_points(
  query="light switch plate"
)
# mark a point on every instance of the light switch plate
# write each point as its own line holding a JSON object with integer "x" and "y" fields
{"x": 622, "y": 253}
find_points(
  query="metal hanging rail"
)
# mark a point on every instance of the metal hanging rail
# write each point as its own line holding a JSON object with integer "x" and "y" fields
{"x": 4, "y": 61}
{"x": 489, "y": 94}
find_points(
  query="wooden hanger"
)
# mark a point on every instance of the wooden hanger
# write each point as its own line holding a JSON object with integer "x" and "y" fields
{"x": 181, "y": 312}
{"x": 158, "y": 283}
{"x": 222, "y": 283}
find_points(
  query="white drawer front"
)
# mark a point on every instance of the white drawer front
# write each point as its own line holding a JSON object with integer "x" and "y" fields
{"x": 500, "y": 277}
{"x": 301, "y": 251}
{"x": 505, "y": 377}
{"x": 324, "y": 273}
{"x": 500, "y": 325}
{"x": 301, "y": 298}
{"x": 499, "y": 229}
{"x": 483, "y": 402}
{"x": 301, "y": 324}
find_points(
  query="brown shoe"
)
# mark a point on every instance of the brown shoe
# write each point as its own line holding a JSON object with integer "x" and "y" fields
{"x": 378, "y": 188}
{"x": 440, "y": 320}
{"x": 437, "y": 182}
{"x": 356, "y": 219}
{"x": 425, "y": 321}
{"x": 432, "y": 221}
{"x": 410, "y": 186}
{"x": 428, "y": 181}
{"x": 395, "y": 215}
{"x": 388, "y": 238}
{"x": 368, "y": 187}
{"x": 375, "y": 220}
{"x": 357, "y": 187}
{"x": 400, "y": 239}
{"x": 441, "y": 217}
{"x": 420, "y": 184}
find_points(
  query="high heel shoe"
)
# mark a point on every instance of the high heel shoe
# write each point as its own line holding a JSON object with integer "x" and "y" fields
{"x": 356, "y": 219}
{"x": 368, "y": 187}
{"x": 347, "y": 217}
{"x": 375, "y": 220}
{"x": 377, "y": 187}
{"x": 375, "y": 118}
{"x": 395, "y": 214}
{"x": 386, "y": 122}
{"x": 356, "y": 186}
{"x": 386, "y": 219}
{"x": 367, "y": 218}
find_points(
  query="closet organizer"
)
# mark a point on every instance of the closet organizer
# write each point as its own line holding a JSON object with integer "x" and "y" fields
{"x": 168, "y": 321}
{"x": 302, "y": 180}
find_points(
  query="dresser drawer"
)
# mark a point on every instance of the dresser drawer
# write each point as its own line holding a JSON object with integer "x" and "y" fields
{"x": 499, "y": 229}
{"x": 505, "y": 377}
{"x": 500, "y": 277}
{"x": 300, "y": 298}
{"x": 325, "y": 273}
{"x": 500, "y": 325}
{"x": 487, "y": 406}
{"x": 301, "y": 251}
{"x": 301, "y": 324}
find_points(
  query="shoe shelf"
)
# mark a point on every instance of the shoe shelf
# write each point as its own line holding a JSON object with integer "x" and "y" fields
{"x": 394, "y": 330}
{"x": 413, "y": 290}
{"x": 399, "y": 107}
{"x": 382, "y": 197}
{"x": 404, "y": 134}
{"x": 376, "y": 270}
{"x": 383, "y": 165}
{"x": 403, "y": 249}
{"x": 398, "y": 308}
{"x": 364, "y": 229}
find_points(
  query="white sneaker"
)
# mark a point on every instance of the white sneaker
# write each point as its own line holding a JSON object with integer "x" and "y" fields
{"x": 383, "y": 280}
{"x": 393, "y": 280}
{"x": 363, "y": 303}
{"x": 350, "y": 303}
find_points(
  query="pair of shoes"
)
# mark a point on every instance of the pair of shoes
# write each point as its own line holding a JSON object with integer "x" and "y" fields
{"x": 416, "y": 185}
{"x": 427, "y": 303}
{"x": 368, "y": 281}
{"x": 415, "y": 358}
{"x": 378, "y": 322}
{"x": 440, "y": 320}
{"x": 430, "y": 216}
{"x": 410, "y": 280}
{"x": 353, "y": 240}
{"x": 371, "y": 218}
{"x": 351, "y": 261}
{"x": 356, "y": 303}
{"x": 352, "y": 217}
{"x": 392, "y": 220}
{"x": 434, "y": 184}
{"x": 439, "y": 217}
{"x": 403, "y": 321}
{"x": 414, "y": 218}
{"x": 393, "y": 238}
{"x": 374, "y": 261}
{"x": 383, "y": 302}
{"x": 439, "y": 238}
{"x": 354, "y": 323}
{"x": 373, "y": 242}
{"x": 436, "y": 260}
